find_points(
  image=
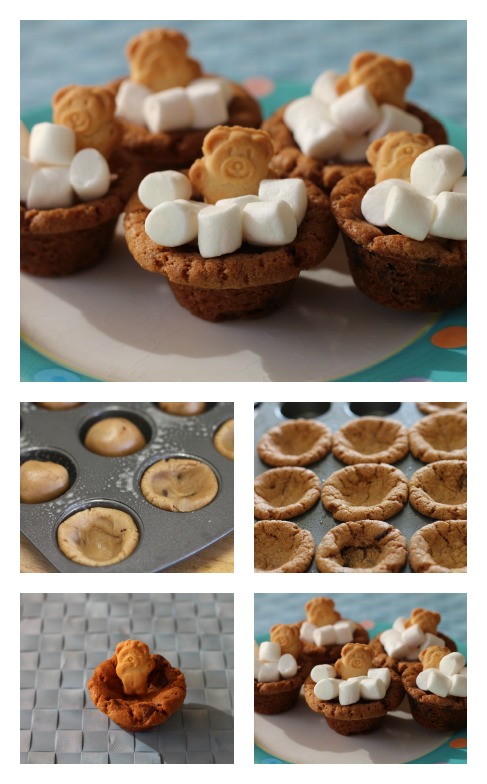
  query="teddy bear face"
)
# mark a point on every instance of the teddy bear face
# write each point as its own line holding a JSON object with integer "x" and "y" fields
{"x": 287, "y": 636}
{"x": 90, "y": 112}
{"x": 320, "y": 611}
{"x": 386, "y": 79}
{"x": 393, "y": 155}
{"x": 356, "y": 659}
{"x": 158, "y": 59}
{"x": 431, "y": 657}
{"x": 134, "y": 665}
{"x": 426, "y": 619}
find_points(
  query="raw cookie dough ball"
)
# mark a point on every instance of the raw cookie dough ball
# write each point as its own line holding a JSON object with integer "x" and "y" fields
{"x": 183, "y": 409}
{"x": 98, "y": 536}
{"x": 114, "y": 437}
{"x": 58, "y": 406}
{"x": 42, "y": 481}
{"x": 179, "y": 484}
{"x": 223, "y": 439}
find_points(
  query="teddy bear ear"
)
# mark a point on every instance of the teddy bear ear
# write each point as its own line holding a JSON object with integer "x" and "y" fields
{"x": 196, "y": 174}
{"x": 119, "y": 647}
{"x": 373, "y": 150}
{"x": 360, "y": 59}
{"x": 347, "y": 648}
{"x": 214, "y": 138}
{"x": 61, "y": 93}
{"x": 406, "y": 70}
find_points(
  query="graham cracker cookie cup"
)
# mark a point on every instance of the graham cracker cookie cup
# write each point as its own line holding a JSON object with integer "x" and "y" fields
{"x": 281, "y": 546}
{"x": 362, "y": 546}
{"x": 439, "y": 547}
{"x": 277, "y": 696}
{"x": 365, "y": 491}
{"x": 439, "y": 490}
{"x": 285, "y": 492}
{"x": 434, "y": 408}
{"x": 371, "y": 439}
{"x": 445, "y": 714}
{"x": 441, "y": 436}
{"x": 298, "y": 442}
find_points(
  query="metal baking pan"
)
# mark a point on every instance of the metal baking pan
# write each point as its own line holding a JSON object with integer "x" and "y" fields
{"x": 317, "y": 520}
{"x": 165, "y": 537}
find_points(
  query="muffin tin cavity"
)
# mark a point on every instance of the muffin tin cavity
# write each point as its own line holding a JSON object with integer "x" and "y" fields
{"x": 164, "y": 537}
{"x": 303, "y": 410}
{"x": 374, "y": 409}
{"x": 141, "y": 423}
{"x": 184, "y": 409}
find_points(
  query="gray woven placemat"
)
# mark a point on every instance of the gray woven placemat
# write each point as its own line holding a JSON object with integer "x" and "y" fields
{"x": 64, "y": 636}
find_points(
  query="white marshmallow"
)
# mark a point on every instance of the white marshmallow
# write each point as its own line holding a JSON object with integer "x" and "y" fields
{"x": 27, "y": 171}
{"x": 219, "y": 230}
{"x": 373, "y": 209}
{"x": 356, "y": 678}
{"x": 463, "y": 671}
{"x": 354, "y": 149}
{"x": 431, "y": 639}
{"x": 437, "y": 169}
{"x": 292, "y": 190}
{"x": 269, "y": 672}
{"x": 52, "y": 144}
{"x": 168, "y": 185}
{"x": 324, "y": 86}
{"x": 327, "y": 689}
{"x": 348, "y": 692}
{"x": 269, "y": 223}
{"x": 240, "y": 201}
{"x": 452, "y": 663}
{"x": 50, "y": 188}
{"x": 301, "y": 108}
{"x": 287, "y": 665}
{"x": 173, "y": 223}
{"x": 398, "y": 624}
{"x": 460, "y": 186}
{"x": 450, "y": 219}
{"x": 434, "y": 681}
{"x": 208, "y": 103}
{"x": 408, "y": 212}
{"x": 393, "y": 644}
{"x": 307, "y": 629}
{"x": 382, "y": 673}
{"x": 321, "y": 671}
{"x": 130, "y": 101}
{"x": 413, "y": 636}
{"x": 319, "y": 137}
{"x": 269, "y": 651}
{"x": 355, "y": 111}
{"x": 24, "y": 140}
{"x": 224, "y": 85}
{"x": 325, "y": 635}
{"x": 391, "y": 118}
{"x": 458, "y": 685}
{"x": 89, "y": 174}
{"x": 343, "y": 631}
{"x": 372, "y": 689}
{"x": 257, "y": 666}
{"x": 168, "y": 110}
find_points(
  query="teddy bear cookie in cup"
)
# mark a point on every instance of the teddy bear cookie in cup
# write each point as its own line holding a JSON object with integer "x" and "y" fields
{"x": 74, "y": 183}
{"x": 167, "y": 104}
{"x": 230, "y": 240}
{"x": 278, "y": 675}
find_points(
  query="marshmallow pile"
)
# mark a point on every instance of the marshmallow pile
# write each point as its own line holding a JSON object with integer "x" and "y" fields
{"x": 372, "y": 686}
{"x": 202, "y": 104}
{"x": 326, "y": 125}
{"x": 449, "y": 679}
{"x": 340, "y": 632}
{"x": 269, "y": 219}
{"x": 434, "y": 201}
{"x": 407, "y": 643}
{"x": 270, "y": 665}
{"x": 53, "y": 174}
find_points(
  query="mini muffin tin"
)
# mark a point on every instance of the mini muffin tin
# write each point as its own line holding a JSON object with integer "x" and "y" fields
{"x": 318, "y": 520}
{"x": 165, "y": 537}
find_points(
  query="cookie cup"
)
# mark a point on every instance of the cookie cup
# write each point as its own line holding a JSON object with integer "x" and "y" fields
{"x": 445, "y": 714}
{"x": 277, "y": 696}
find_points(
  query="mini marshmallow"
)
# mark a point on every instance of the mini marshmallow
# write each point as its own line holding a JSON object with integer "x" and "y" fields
{"x": 372, "y": 689}
{"x": 307, "y": 629}
{"x": 348, "y": 692}
{"x": 437, "y": 169}
{"x": 89, "y": 174}
{"x": 458, "y": 685}
{"x": 269, "y": 223}
{"x": 434, "y": 681}
{"x": 24, "y": 140}
{"x": 324, "y": 86}
{"x": 327, "y": 689}
{"x": 319, "y": 137}
{"x": 287, "y": 665}
{"x": 450, "y": 219}
{"x": 463, "y": 671}
{"x": 219, "y": 231}
{"x": 130, "y": 101}
{"x": 431, "y": 639}
{"x": 355, "y": 111}
{"x": 373, "y": 209}
{"x": 413, "y": 636}
{"x": 391, "y": 118}
{"x": 322, "y": 671}
{"x": 50, "y": 188}
{"x": 209, "y": 107}
{"x": 52, "y": 144}
{"x": 408, "y": 212}
{"x": 292, "y": 190}
{"x": 301, "y": 108}
{"x": 269, "y": 651}
{"x": 27, "y": 171}
{"x": 460, "y": 186}
{"x": 269, "y": 672}
{"x": 343, "y": 631}
{"x": 168, "y": 110}
{"x": 382, "y": 673}
{"x": 452, "y": 663}
{"x": 398, "y": 624}
{"x": 393, "y": 644}
{"x": 257, "y": 666}
{"x": 168, "y": 185}
{"x": 173, "y": 223}
{"x": 325, "y": 635}
{"x": 240, "y": 201}
{"x": 224, "y": 85}
{"x": 354, "y": 149}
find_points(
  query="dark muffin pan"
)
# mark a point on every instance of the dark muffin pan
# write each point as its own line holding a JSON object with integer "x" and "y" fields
{"x": 165, "y": 537}
{"x": 318, "y": 520}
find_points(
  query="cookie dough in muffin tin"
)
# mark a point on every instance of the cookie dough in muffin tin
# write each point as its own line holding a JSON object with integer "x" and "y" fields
{"x": 165, "y": 537}
{"x": 317, "y": 520}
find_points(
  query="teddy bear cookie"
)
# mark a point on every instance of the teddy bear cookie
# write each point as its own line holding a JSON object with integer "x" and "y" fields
{"x": 167, "y": 104}
{"x": 137, "y": 689}
{"x": 287, "y": 636}
{"x": 90, "y": 112}
{"x": 385, "y": 78}
{"x": 404, "y": 642}
{"x": 392, "y": 156}
{"x": 436, "y": 688}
